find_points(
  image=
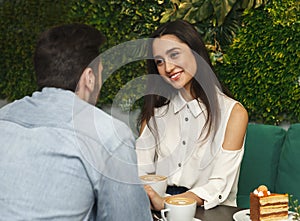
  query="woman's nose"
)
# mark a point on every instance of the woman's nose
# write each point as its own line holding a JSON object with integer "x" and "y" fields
{"x": 169, "y": 66}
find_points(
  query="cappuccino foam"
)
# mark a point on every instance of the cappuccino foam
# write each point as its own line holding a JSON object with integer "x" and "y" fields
{"x": 153, "y": 178}
{"x": 180, "y": 201}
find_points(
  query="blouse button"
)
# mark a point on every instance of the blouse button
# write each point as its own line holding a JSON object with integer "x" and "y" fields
{"x": 220, "y": 196}
{"x": 183, "y": 142}
{"x": 186, "y": 119}
{"x": 179, "y": 164}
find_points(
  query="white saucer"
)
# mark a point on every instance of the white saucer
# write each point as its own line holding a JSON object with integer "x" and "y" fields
{"x": 244, "y": 215}
{"x": 195, "y": 219}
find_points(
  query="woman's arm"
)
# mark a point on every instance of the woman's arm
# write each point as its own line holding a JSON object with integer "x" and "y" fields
{"x": 145, "y": 150}
{"x": 236, "y": 128}
{"x": 227, "y": 162}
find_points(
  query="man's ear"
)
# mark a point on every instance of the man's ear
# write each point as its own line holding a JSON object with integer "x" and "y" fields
{"x": 88, "y": 79}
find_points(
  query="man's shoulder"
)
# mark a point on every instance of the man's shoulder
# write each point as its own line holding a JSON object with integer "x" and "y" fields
{"x": 95, "y": 122}
{"x": 110, "y": 122}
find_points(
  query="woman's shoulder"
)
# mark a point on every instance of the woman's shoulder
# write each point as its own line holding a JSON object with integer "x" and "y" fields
{"x": 236, "y": 128}
{"x": 225, "y": 97}
{"x": 227, "y": 101}
{"x": 239, "y": 112}
{"x": 234, "y": 109}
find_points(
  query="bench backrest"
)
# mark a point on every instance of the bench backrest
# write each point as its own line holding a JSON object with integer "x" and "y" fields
{"x": 263, "y": 146}
{"x": 288, "y": 179}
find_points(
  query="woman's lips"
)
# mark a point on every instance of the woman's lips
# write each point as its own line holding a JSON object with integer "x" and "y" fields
{"x": 175, "y": 76}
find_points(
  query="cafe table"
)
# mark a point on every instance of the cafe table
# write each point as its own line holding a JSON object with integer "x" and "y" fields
{"x": 218, "y": 213}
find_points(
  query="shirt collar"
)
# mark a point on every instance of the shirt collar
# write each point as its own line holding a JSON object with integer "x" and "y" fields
{"x": 195, "y": 106}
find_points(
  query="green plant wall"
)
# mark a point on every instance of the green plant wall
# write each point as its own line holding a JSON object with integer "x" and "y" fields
{"x": 20, "y": 23}
{"x": 121, "y": 21}
{"x": 263, "y": 63}
{"x": 261, "y": 67}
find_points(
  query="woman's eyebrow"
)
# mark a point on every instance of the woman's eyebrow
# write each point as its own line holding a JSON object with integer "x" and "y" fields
{"x": 172, "y": 49}
{"x": 167, "y": 52}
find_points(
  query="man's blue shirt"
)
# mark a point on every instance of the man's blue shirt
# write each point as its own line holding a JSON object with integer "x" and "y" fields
{"x": 64, "y": 159}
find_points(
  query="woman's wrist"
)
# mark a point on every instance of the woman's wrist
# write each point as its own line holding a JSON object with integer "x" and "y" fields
{"x": 192, "y": 195}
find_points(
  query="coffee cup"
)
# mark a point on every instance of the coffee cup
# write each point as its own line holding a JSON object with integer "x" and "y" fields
{"x": 157, "y": 182}
{"x": 179, "y": 209}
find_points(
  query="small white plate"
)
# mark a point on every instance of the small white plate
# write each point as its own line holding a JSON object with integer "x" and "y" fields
{"x": 195, "y": 219}
{"x": 244, "y": 215}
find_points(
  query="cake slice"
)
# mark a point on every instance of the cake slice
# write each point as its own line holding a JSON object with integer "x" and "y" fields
{"x": 266, "y": 206}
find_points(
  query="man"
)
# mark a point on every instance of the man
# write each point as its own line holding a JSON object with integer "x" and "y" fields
{"x": 61, "y": 158}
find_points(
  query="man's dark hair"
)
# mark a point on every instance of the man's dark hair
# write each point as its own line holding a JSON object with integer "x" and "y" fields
{"x": 63, "y": 52}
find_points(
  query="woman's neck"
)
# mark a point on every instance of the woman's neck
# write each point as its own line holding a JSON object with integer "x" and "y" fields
{"x": 187, "y": 95}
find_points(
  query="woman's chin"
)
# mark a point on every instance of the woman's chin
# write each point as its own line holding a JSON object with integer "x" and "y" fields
{"x": 176, "y": 85}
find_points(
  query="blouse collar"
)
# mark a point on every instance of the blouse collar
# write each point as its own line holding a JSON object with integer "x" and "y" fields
{"x": 195, "y": 106}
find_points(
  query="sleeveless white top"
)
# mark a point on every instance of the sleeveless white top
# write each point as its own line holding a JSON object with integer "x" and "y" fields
{"x": 179, "y": 152}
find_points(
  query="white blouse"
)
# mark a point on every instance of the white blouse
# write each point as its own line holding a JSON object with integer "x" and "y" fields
{"x": 179, "y": 152}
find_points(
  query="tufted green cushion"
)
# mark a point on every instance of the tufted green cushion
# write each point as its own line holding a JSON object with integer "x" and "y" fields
{"x": 288, "y": 180}
{"x": 259, "y": 166}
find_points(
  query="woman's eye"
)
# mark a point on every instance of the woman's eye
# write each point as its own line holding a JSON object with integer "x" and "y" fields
{"x": 159, "y": 61}
{"x": 174, "y": 55}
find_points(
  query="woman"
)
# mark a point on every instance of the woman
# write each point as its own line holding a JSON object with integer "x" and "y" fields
{"x": 192, "y": 131}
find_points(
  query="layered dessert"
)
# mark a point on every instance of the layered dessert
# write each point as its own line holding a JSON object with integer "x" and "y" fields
{"x": 266, "y": 206}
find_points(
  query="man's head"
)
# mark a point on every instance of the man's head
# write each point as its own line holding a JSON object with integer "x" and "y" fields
{"x": 62, "y": 59}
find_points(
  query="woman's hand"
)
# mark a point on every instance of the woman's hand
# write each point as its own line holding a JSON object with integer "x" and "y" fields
{"x": 192, "y": 195}
{"x": 157, "y": 202}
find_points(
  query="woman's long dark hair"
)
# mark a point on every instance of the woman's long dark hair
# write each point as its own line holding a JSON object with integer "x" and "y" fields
{"x": 204, "y": 84}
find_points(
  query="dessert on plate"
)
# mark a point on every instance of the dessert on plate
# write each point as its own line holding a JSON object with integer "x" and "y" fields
{"x": 266, "y": 206}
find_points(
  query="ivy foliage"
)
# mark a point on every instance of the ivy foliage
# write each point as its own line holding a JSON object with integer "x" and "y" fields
{"x": 262, "y": 66}
{"x": 216, "y": 20}
{"x": 120, "y": 21}
{"x": 20, "y": 23}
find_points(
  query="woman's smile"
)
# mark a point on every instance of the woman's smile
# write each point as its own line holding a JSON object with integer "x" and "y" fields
{"x": 175, "y": 76}
{"x": 174, "y": 61}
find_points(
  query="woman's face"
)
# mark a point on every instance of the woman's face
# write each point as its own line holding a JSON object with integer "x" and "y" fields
{"x": 175, "y": 61}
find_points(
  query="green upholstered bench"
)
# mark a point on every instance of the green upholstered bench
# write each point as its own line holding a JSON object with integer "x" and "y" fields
{"x": 272, "y": 158}
{"x": 288, "y": 177}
